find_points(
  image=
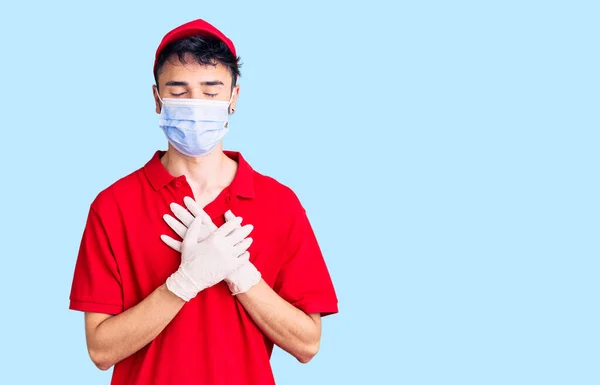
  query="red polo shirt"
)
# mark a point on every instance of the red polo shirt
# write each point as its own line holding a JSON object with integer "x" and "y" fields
{"x": 212, "y": 340}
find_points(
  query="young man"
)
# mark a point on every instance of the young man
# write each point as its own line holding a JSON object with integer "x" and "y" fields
{"x": 190, "y": 298}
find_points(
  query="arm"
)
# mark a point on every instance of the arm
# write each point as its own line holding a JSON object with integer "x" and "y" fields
{"x": 97, "y": 291}
{"x": 287, "y": 326}
{"x": 279, "y": 319}
{"x": 111, "y": 339}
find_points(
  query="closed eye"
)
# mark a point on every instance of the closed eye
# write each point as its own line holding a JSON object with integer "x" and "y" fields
{"x": 210, "y": 95}
{"x": 178, "y": 94}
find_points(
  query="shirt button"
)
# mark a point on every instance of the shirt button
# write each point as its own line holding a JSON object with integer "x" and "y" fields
{"x": 178, "y": 184}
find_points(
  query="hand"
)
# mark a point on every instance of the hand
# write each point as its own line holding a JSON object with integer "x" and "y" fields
{"x": 185, "y": 220}
{"x": 206, "y": 257}
{"x": 244, "y": 277}
{"x": 239, "y": 281}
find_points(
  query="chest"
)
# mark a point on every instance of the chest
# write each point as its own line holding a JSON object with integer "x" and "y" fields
{"x": 146, "y": 261}
{"x": 204, "y": 199}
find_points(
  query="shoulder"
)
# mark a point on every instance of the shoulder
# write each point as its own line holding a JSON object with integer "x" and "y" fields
{"x": 278, "y": 195}
{"x": 120, "y": 192}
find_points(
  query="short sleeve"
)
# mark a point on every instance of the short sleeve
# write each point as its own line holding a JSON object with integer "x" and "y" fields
{"x": 304, "y": 280}
{"x": 96, "y": 283}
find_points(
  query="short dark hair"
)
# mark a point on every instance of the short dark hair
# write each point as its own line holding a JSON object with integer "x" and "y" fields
{"x": 206, "y": 50}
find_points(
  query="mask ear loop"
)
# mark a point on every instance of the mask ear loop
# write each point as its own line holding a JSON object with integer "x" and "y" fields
{"x": 231, "y": 101}
{"x": 232, "y": 110}
{"x": 159, "y": 98}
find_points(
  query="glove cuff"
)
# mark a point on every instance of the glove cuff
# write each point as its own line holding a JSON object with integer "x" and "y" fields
{"x": 242, "y": 279}
{"x": 180, "y": 285}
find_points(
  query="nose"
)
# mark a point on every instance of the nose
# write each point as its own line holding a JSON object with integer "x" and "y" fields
{"x": 196, "y": 93}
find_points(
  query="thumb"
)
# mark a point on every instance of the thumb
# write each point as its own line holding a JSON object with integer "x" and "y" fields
{"x": 197, "y": 211}
{"x": 245, "y": 256}
{"x": 229, "y": 216}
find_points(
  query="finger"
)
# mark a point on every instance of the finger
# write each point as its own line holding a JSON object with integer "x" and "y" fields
{"x": 197, "y": 211}
{"x": 205, "y": 231}
{"x": 177, "y": 226}
{"x": 194, "y": 232}
{"x": 182, "y": 214}
{"x": 229, "y": 216}
{"x": 242, "y": 246}
{"x": 240, "y": 262}
{"x": 228, "y": 227}
{"x": 175, "y": 245}
{"x": 245, "y": 256}
{"x": 239, "y": 234}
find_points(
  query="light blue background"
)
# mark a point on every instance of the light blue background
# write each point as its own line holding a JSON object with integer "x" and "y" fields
{"x": 446, "y": 153}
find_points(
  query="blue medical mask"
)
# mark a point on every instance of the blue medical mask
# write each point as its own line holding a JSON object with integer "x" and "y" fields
{"x": 194, "y": 126}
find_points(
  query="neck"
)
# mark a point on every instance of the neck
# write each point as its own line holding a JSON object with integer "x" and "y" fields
{"x": 205, "y": 173}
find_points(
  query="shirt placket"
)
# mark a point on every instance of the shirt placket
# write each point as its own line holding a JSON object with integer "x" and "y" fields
{"x": 215, "y": 209}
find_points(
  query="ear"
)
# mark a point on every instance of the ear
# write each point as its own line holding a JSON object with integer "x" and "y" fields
{"x": 156, "y": 99}
{"x": 236, "y": 93}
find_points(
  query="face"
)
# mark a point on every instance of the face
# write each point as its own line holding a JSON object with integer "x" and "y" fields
{"x": 194, "y": 81}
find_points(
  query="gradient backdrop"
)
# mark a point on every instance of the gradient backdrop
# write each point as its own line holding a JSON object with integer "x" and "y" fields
{"x": 446, "y": 153}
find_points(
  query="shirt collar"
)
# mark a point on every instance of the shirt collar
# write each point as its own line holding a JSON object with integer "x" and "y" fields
{"x": 242, "y": 184}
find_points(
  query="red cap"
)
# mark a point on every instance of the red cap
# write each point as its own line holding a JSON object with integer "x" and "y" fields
{"x": 196, "y": 27}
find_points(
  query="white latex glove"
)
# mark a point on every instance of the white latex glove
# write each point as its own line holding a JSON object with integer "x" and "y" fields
{"x": 206, "y": 257}
{"x": 245, "y": 276}
{"x": 239, "y": 281}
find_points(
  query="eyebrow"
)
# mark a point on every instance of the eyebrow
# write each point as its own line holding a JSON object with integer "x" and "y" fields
{"x": 177, "y": 83}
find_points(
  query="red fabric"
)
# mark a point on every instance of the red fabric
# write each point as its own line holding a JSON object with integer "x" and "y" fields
{"x": 212, "y": 340}
{"x": 195, "y": 27}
